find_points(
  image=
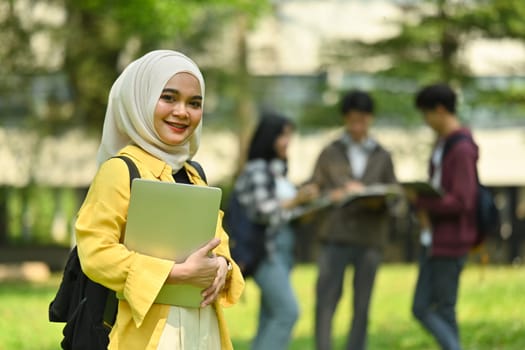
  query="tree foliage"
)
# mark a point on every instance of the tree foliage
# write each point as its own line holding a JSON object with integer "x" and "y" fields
{"x": 132, "y": 28}
{"x": 432, "y": 36}
{"x": 97, "y": 38}
{"x": 496, "y": 19}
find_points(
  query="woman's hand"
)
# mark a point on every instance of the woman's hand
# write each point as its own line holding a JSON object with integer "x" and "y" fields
{"x": 203, "y": 269}
{"x": 212, "y": 292}
{"x": 304, "y": 194}
{"x": 199, "y": 269}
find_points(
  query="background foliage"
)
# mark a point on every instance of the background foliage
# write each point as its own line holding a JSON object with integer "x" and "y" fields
{"x": 95, "y": 39}
{"x": 429, "y": 47}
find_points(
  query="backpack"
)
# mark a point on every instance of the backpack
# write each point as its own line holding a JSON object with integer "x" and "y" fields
{"x": 89, "y": 309}
{"x": 247, "y": 238}
{"x": 488, "y": 217}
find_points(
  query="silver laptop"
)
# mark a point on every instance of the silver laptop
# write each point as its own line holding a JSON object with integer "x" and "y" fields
{"x": 170, "y": 220}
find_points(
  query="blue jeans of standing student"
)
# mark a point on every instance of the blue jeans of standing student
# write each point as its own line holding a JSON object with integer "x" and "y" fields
{"x": 333, "y": 260}
{"x": 279, "y": 309}
{"x": 436, "y": 296}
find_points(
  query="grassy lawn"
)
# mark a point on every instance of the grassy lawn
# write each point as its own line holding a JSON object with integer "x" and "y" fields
{"x": 491, "y": 312}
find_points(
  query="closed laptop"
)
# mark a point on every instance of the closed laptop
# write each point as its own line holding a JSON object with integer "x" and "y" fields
{"x": 171, "y": 220}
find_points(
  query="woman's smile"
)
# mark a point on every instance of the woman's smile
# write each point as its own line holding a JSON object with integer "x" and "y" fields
{"x": 176, "y": 127}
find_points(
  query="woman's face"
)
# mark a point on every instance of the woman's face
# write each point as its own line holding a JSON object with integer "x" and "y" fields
{"x": 282, "y": 142}
{"x": 179, "y": 109}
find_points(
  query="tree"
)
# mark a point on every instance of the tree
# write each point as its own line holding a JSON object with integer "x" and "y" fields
{"x": 98, "y": 38}
{"x": 429, "y": 46}
{"x": 502, "y": 19}
{"x": 113, "y": 34}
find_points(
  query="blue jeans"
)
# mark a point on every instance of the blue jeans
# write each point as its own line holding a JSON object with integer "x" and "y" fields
{"x": 333, "y": 260}
{"x": 435, "y": 298}
{"x": 279, "y": 309}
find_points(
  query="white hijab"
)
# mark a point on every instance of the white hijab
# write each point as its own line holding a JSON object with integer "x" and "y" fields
{"x": 131, "y": 106}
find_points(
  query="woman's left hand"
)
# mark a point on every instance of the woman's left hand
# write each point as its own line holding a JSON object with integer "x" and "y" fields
{"x": 211, "y": 293}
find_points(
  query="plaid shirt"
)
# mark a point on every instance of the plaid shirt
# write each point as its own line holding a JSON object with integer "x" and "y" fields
{"x": 255, "y": 187}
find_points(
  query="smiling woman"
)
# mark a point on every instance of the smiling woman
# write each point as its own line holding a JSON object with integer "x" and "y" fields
{"x": 179, "y": 110}
{"x": 154, "y": 118}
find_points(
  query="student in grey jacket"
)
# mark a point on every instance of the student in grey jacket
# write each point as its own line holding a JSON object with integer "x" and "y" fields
{"x": 356, "y": 232}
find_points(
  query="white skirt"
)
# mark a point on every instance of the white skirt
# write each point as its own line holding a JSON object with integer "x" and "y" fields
{"x": 191, "y": 329}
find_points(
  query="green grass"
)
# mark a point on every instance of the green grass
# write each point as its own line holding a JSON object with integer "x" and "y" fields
{"x": 23, "y": 316}
{"x": 491, "y": 312}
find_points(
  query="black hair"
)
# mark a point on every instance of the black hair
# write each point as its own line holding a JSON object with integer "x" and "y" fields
{"x": 431, "y": 96}
{"x": 357, "y": 100}
{"x": 271, "y": 126}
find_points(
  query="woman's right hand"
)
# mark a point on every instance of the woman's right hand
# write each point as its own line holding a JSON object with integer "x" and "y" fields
{"x": 199, "y": 269}
{"x": 305, "y": 193}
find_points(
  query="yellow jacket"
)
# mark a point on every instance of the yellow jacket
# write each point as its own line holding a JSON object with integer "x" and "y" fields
{"x": 100, "y": 223}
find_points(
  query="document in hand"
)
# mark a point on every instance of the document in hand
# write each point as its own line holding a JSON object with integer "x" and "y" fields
{"x": 422, "y": 188}
{"x": 170, "y": 221}
{"x": 308, "y": 208}
{"x": 378, "y": 191}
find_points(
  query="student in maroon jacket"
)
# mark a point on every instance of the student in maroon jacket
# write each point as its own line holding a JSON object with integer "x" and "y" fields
{"x": 449, "y": 222}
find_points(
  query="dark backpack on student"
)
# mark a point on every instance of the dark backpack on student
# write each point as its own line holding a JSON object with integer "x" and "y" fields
{"x": 487, "y": 213}
{"x": 88, "y": 308}
{"x": 247, "y": 239}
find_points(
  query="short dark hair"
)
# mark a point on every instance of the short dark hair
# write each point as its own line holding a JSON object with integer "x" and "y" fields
{"x": 271, "y": 126}
{"x": 357, "y": 100}
{"x": 440, "y": 94}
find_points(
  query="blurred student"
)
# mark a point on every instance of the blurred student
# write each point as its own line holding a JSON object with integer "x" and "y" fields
{"x": 154, "y": 117}
{"x": 267, "y": 195}
{"x": 357, "y": 232}
{"x": 448, "y": 222}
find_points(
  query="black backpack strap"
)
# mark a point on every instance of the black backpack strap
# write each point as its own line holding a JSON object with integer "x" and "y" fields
{"x": 133, "y": 170}
{"x": 88, "y": 308}
{"x": 199, "y": 169}
{"x": 451, "y": 141}
{"x": 110, "y": 310}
